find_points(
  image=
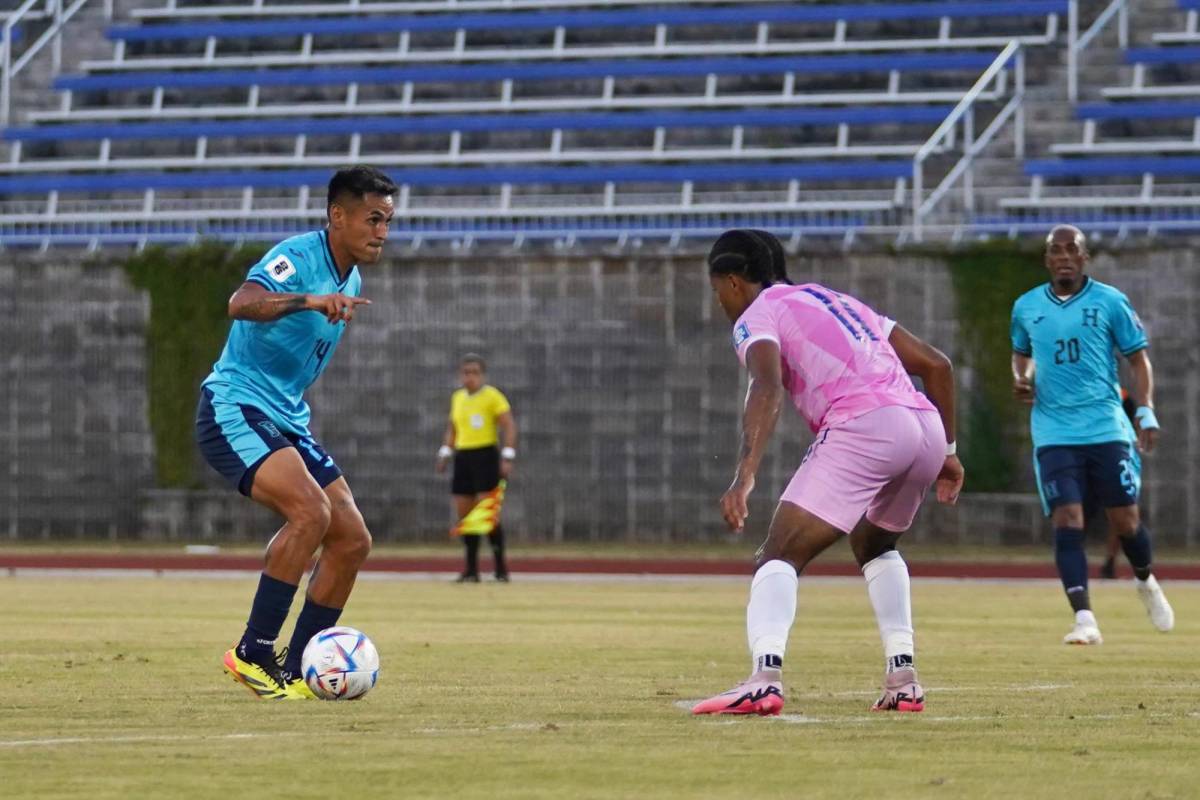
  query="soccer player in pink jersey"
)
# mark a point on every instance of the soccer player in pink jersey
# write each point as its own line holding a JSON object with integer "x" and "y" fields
{"x": 879, "y": 445}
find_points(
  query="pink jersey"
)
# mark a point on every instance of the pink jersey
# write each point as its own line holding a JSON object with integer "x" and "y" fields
{"x": 837, "y": 363}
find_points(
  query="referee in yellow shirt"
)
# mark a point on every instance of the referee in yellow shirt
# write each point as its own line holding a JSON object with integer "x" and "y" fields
{"x": 479, "y": 416}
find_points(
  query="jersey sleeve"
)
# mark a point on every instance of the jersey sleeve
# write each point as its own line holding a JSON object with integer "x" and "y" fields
{"x": 1018, "y": 333}
{"x": 886, "y": 326}
{"x": 279, "y": 271}
{"x": 757, "y": 324}
{"x": 499, "y": 402}
{"x": 1127, "y": 327}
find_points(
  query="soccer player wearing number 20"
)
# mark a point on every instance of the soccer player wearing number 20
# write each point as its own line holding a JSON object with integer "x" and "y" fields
{"x": 252, "y": 423}
{"x": 879, "y": 444}
{"x": 1063, "y": 336}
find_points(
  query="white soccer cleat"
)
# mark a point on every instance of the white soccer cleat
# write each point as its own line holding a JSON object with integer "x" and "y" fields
{"x": 1083, "y": 634}
{"x": 1156, "y": 604}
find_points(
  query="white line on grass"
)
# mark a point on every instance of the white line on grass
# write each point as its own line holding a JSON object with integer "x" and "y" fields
{"x": 141, "y": 738}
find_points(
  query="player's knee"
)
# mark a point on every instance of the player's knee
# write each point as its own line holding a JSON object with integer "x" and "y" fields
{"x": 1070, "y": 516}
{"x": 311, "y": 514}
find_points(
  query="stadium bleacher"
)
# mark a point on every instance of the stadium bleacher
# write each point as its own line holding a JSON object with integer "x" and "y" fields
{"x": 555, "y": 110}
{"x": 1134, "y": 167}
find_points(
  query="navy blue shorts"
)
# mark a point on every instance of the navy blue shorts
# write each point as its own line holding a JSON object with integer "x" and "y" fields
{"x": 235, "y": 439}
{"x": 1107, "y": 475}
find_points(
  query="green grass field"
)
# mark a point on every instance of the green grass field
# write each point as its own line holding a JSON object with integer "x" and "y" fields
{"x": 113, "y": 688}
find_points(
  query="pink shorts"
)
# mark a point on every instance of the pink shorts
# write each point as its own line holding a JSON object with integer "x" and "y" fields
{"x": 879, "y": 465}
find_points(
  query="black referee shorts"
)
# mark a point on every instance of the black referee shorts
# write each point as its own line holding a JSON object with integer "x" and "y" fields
{"x": 476, "y": 471}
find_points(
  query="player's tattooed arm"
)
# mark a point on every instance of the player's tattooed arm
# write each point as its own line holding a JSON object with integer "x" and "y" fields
{"x": 253, "y": 303}
{"x": 763, "y": 402}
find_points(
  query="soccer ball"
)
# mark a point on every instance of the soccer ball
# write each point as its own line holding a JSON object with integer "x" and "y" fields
{"x": 340, "y": 664}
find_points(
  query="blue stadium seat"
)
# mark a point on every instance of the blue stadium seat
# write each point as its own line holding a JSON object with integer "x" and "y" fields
{"x": 1162, "y": 55}
{"x": 1111, "y": 167}
{"x": 487, "y": 176}
{"x": 1147, "y": 110}
{"x": 483, "y": 122}
{"x": 741, "y": 14}
{"x": 968, "y": 60}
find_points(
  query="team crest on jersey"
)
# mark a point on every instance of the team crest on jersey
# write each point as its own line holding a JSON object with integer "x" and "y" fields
{"x": 281, "y": 269}
{"x": 740, "y": 334}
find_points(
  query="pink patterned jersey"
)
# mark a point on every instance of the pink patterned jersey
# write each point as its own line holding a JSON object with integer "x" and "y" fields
{"x": 837, "y": 363}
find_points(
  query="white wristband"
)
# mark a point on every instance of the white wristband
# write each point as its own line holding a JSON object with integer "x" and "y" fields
{"x": 445, "y": 451}
{"x": 508, "y": 454}
{"x": 951, "y": 449}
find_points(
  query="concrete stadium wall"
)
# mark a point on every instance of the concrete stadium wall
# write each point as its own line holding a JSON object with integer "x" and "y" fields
{"x": 624, "y": 385}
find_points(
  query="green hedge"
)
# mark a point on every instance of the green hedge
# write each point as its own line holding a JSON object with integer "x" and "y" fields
{"x": 987, "y": 278}
{"x": 189, "y": 291}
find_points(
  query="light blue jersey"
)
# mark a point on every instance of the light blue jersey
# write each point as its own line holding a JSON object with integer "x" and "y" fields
{"x": 268, "y": 365}
{"x": 1077, "y": 399}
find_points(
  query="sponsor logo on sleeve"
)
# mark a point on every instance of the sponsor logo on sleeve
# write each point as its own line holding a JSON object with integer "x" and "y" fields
{"x": 281, "y": 268}
{"x": 740, "y": 334}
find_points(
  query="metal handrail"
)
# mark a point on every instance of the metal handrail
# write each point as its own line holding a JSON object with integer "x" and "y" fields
{"x": 9, "y": 68}
{"x": 1077, "y": 42}
{"x": 964, "y": 112}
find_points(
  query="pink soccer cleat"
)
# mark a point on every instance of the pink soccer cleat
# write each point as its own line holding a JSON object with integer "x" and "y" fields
{"x": 901, "y": 692}
{"x": 761, "y": 693}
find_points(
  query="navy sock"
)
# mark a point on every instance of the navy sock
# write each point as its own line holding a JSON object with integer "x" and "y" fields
{"x": 270, "y": 608}
{"x": 1138, "y": 551}
{"x": 471, "y": 545}
{"x": 313, "y": 619}
{"x": 496, "y": 538}
{"x": 1071, "y": 560}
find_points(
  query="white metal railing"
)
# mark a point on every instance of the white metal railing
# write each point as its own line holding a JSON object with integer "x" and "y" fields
{"x": 457, "y": 156}
{"x": 600, "y": 101}
{"x": 964, "y": 112}
{"x": 263, "y": 57}
{"x": 257, "y": 8}
{"x": 59, "y": 15}
{"x": 1077, "y": 42}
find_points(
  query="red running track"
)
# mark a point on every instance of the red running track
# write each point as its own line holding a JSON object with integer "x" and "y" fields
{"x": 164, "y": 562}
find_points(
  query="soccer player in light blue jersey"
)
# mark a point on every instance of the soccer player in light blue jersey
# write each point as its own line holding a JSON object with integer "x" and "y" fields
{"x": 1064, "y": 334}
{"x": 252, "y": 423}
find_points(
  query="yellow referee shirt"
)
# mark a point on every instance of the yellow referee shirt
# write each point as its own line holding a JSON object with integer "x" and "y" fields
{"x": 474, "y": 416}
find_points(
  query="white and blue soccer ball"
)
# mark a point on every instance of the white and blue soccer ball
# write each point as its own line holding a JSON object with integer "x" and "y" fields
{"x": 340, "y": 664}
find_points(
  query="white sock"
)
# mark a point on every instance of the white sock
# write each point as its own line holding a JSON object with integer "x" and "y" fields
{"x": 770, "y": 613}
{"x": 1085, "y": 617}
{"x": 888, "y": 588}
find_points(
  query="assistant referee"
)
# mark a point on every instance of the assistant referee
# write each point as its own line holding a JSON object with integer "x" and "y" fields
{"x": 480, "y": 416}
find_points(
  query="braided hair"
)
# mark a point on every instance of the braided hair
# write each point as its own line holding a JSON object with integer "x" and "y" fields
{"x": 778, "y": 257}
{"x": 755, "y": 256}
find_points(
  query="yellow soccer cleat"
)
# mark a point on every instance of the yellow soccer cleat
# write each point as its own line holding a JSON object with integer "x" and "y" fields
{"x": 264, "y": 680}
{"x": 297, "y": 689}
